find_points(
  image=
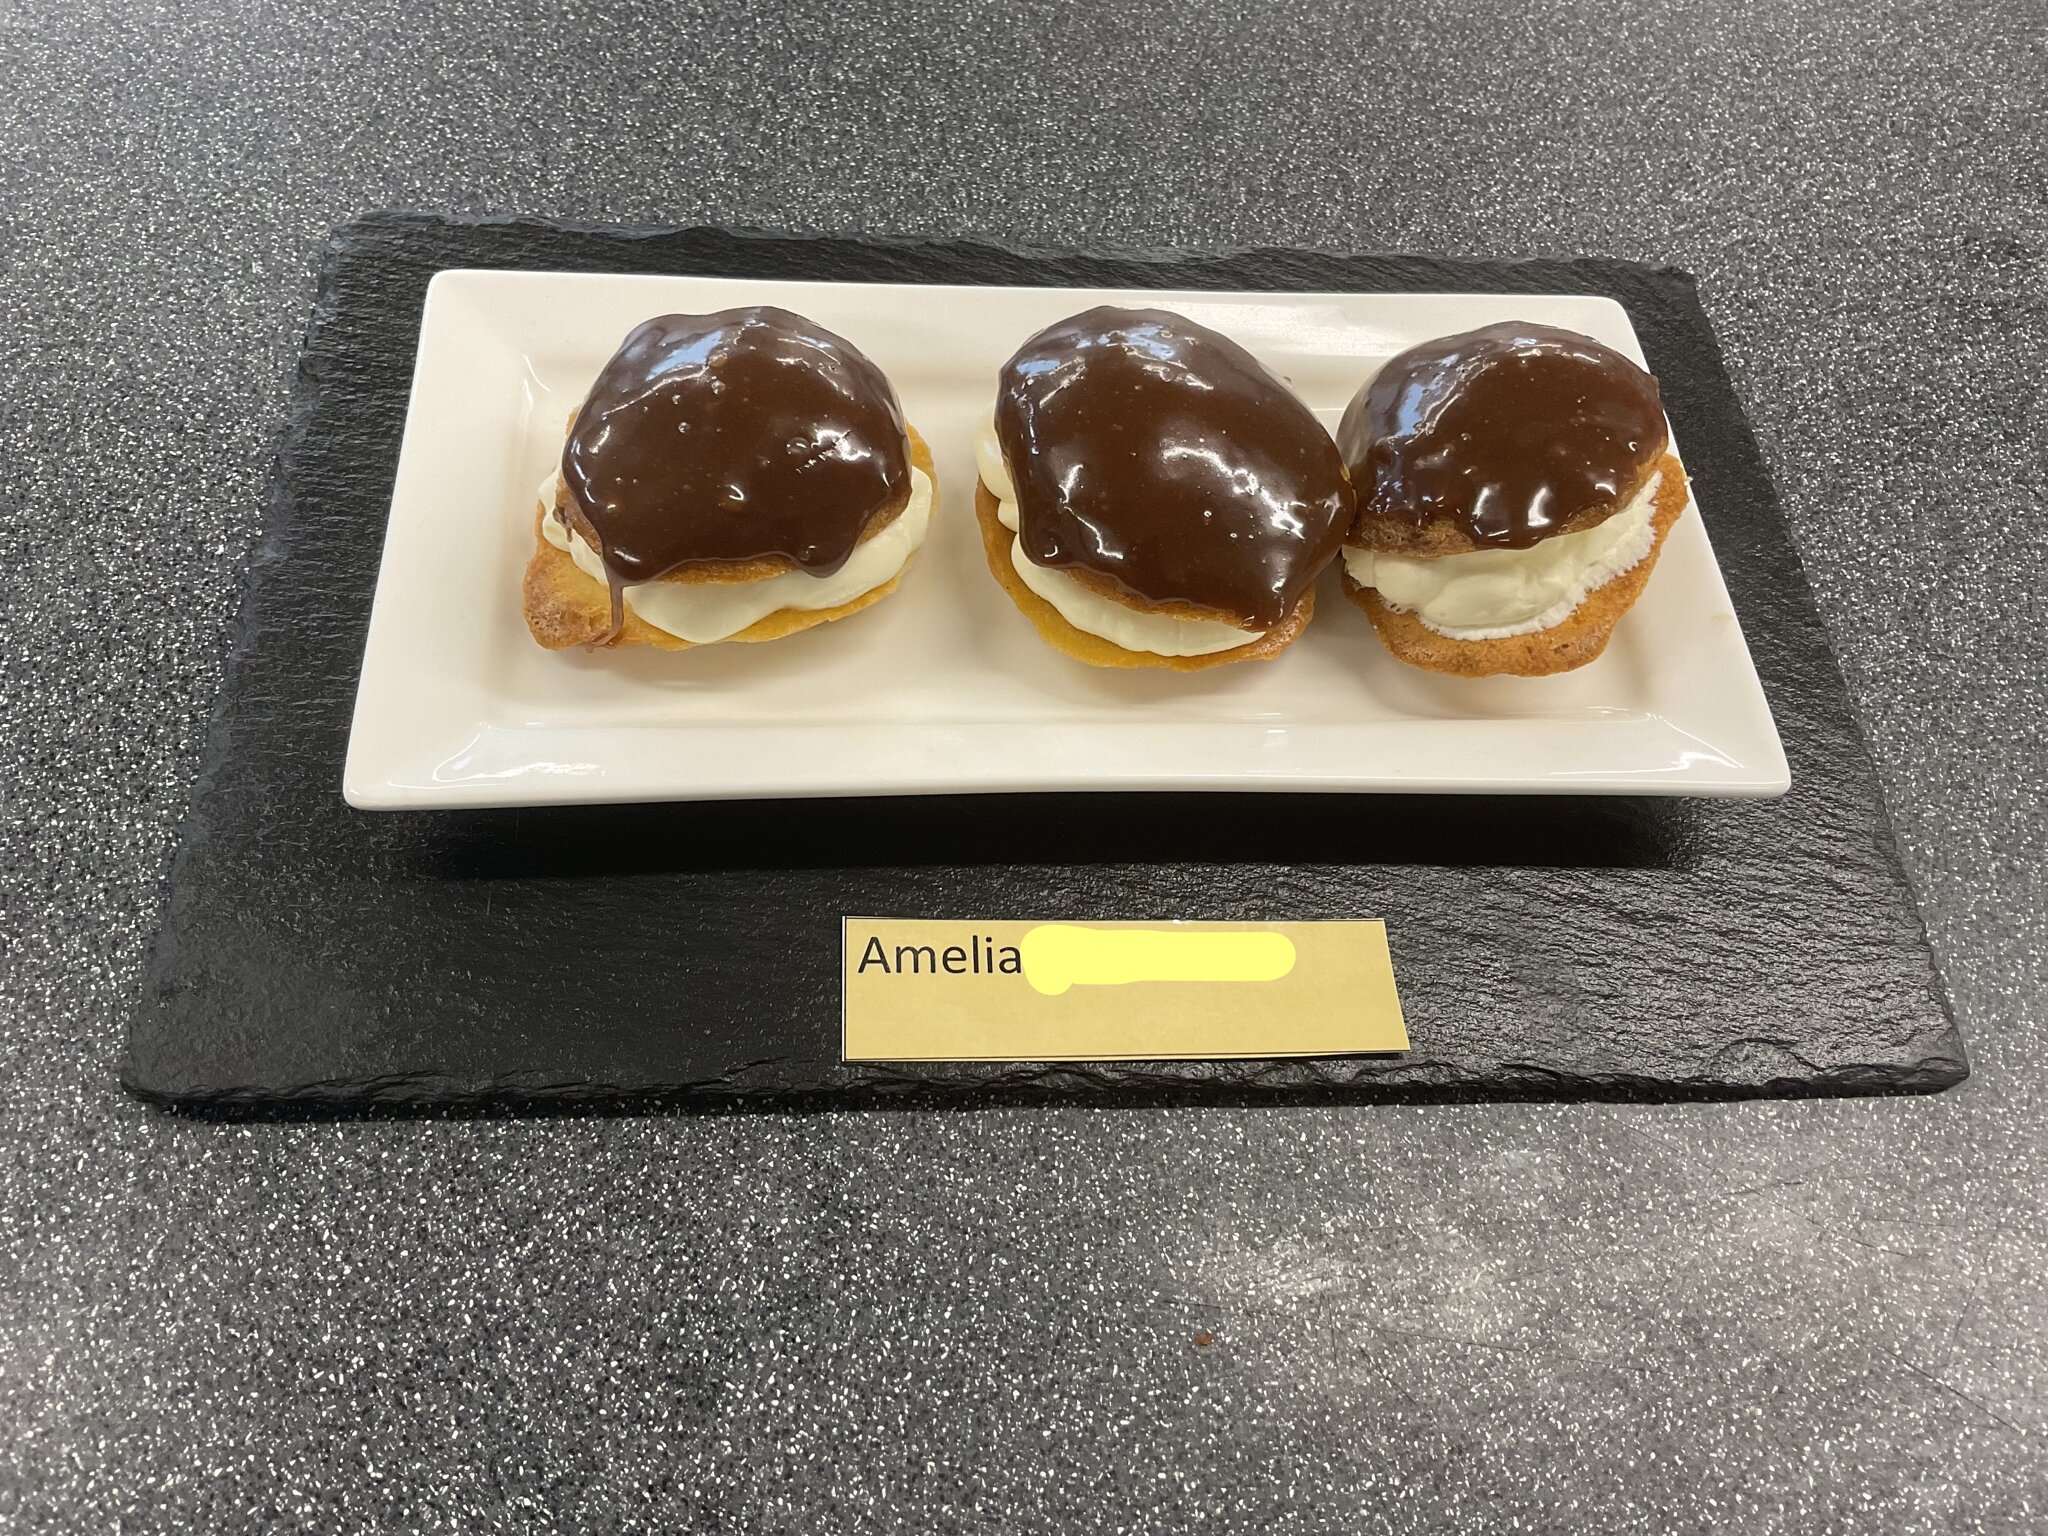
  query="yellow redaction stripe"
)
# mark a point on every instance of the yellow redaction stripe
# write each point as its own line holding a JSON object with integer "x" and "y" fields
{"x": 1058, "y": 956}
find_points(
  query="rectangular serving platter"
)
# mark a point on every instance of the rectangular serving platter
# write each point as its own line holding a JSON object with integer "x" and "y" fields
{"x": 944, "y": 687}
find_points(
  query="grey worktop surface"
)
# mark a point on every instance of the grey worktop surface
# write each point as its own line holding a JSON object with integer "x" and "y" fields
{"x": 1747, "y": 1317}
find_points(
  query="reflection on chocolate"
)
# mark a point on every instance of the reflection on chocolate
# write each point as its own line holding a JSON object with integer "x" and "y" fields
{"x": 745, "y": 434}
{"x": 1160, "y": 456}
{"x": 1508, "y": 433}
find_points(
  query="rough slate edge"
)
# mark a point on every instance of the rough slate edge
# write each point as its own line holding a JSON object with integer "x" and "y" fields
{"x": 1940, "y": 1063}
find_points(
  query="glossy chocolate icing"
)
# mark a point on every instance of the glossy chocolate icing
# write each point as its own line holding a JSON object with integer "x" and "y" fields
{"x": 1154, "y": 453}
{"x": 1509, "y": 433}
{"x": 741, "y": 435}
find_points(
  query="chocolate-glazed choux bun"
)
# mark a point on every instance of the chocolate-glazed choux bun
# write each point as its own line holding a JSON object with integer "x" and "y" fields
{"x": 735, "y": 476}
{"x": 1152, "y": 497}
{"x": 1515, "y": 484}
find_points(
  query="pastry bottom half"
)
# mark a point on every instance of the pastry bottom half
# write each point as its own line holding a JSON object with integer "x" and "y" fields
{"x": 564, "y": 607}
{"x": 1560, "y": 648}
{"x": 1053, "y": 628}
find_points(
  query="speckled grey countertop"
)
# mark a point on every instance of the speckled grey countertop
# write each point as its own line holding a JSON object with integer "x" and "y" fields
{"x": 1750, "y": 1317}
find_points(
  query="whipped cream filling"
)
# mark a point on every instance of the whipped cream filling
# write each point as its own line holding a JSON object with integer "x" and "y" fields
{"x": 704, "y": 612}
{"x": 1492, "y": 594}
{"x": 1091, "y": 612}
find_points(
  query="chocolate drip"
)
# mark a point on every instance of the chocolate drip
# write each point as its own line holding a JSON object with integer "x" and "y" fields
{"x": 743, "y": 435}
{"x": 615, "y": 595}
{"x": 1160, "y": 456}
{"x": 1509, "y": 433}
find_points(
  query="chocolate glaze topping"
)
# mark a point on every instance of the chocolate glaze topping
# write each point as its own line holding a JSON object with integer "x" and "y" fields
{"x": 1508, "y": 433}
{"x": 1153, "y": 452}
{"x": 736, "y": 436}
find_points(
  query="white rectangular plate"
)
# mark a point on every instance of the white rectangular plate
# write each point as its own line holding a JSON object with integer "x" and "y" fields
{"x": 944, "y": 687}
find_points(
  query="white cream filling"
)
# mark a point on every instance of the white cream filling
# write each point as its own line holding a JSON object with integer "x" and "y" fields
{"x": 1091, "y": 612}
{"x": 704, "y": 612}
{"x": 1491, "y": 594}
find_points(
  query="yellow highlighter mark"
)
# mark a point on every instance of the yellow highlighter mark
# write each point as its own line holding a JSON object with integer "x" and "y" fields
{"x": 1058, "y": 956}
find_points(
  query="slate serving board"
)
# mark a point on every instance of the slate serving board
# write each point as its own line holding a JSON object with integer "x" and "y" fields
{"x": 320, "y": 957}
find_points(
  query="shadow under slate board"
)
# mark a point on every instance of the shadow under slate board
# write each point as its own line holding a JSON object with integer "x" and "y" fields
{"x": 320, "y": 957}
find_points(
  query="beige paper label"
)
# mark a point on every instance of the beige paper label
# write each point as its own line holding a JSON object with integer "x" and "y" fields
{"x": 915, "y": 990}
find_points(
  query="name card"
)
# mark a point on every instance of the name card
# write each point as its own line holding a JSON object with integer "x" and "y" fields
{"x": 916, "y": 990}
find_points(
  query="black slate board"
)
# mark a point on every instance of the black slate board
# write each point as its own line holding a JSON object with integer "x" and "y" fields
{"x": 317, "y": 956}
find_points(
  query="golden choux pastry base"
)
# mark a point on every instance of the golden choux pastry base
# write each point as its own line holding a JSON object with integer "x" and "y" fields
{"x": 1561, "y": 648}
{"x": 1093, "y": 649}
